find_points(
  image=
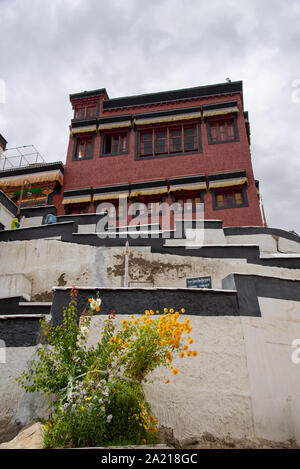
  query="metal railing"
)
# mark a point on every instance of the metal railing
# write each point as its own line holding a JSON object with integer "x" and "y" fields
{"x": 19, "y": 157}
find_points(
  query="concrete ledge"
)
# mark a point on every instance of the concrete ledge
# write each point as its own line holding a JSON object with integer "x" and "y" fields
{"x": 38, "y": 232}
{"x": 253, "y": 230}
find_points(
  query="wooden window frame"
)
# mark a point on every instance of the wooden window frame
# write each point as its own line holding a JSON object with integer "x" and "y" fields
{"x": 228, "y": 195}
{"x": 181, "y": 198}
{"x": 169, "y": 151}
{"x": 122, "y": 148}
{"x": 84, "y": 111}
{"x": 87, "y": 138}
{"x": 216, "y": 123}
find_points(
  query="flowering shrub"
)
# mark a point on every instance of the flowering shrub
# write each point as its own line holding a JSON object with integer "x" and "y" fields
{"x": 100, "y": 398}
{"x": 82, "y": 419}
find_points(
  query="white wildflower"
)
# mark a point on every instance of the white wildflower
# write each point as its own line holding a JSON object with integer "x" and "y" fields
{"x": 95, "y": 303}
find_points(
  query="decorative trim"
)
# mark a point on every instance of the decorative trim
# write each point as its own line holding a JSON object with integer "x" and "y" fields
{"x": 124, "y": 300}
{"x": 37, "y": 168}
{"x": 85, "y": 94}
{"x": 254, "y": 230}
{"x": 174, "y": 95}
{"x": 8, "y": 203}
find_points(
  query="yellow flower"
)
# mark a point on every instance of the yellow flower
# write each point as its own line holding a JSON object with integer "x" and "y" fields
{"x": 126, "y": 344}
{"x": 120, "y": 341}
{"x": 154, "y": 429}
{"x": 90, "y": 300}
{"x": 185, "y": 347}
{"x": 190, "y": 340}
{"x": 175, "y": 371}
{"x": 171, "y": 310}
{"x": 195, "y": 353}
{"x": 165, "y": 310}
{"x": 181, "y": 354}
{"x": 189, "y": 353}
{"x": 142, "y": 348}
{"x": 88, "y": 398}
{"x": 167, "y": 382}
{"x": 124, "y": 322}
{"x": 132, "y": 317}
{"x": 144, "y": 441}
{"x": 82, "y": 408}
{"x": 163, "y": 343}
{"x": 183, "y": 310}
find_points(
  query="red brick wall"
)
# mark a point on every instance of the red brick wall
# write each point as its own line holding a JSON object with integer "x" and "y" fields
{"x": 120, "y": 169}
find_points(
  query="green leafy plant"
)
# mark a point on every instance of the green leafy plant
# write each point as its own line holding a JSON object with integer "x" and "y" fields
{"x": 99, "y": 391}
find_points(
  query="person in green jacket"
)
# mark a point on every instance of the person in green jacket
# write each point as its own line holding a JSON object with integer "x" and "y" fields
{"x": 15, "y": 223}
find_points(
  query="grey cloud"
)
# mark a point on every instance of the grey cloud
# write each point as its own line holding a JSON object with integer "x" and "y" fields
{"x": 51, "y": 49}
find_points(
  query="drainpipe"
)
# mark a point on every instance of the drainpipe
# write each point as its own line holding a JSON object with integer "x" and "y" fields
{"x": 126, "y": 264}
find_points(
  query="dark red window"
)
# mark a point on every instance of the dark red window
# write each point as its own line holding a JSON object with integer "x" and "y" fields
{"x": 91, "y": 111}
{"x": 221, "y": 131}
{"x": 86, "y": 112}
{"x": 146, "y": 144}
{"x": 115, "y": 144}
{"x": 179, "y": 139}
{"x": 75, "y": 209}
{"x": 84, "y": 148}
{"x": 230, "y": 198}
{"x": 187, "y": 204}
{"x": 80, "y": 113}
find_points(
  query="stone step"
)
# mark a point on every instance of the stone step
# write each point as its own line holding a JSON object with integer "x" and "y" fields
{"x": 142, "y": 227}
{"x": 21, "y": 305}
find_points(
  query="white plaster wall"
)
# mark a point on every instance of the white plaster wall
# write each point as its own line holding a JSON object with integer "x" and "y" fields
{"x": 87, "y": 228}
{"x": 5, "y": 217}
{"x": 287, "y": 246}
{"x": 167, "y": 270}
{"x": 242, "y": 383}
{"x": 27, "y": 222}
{"x": 274, "y": 378}
{"x": 16, "y": 361}
{"x": 45, "y": 261}
{"x": 266, "y": 242}
{"x": 14, "y": 285}
{"x": 199, "y": 237}
{"x": 211, "y": 392}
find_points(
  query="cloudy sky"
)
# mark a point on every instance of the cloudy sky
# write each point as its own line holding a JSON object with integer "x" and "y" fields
{"x": 51, "y": 49}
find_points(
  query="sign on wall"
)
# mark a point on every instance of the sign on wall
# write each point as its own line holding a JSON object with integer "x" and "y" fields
{"x": 198, "y": 282}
